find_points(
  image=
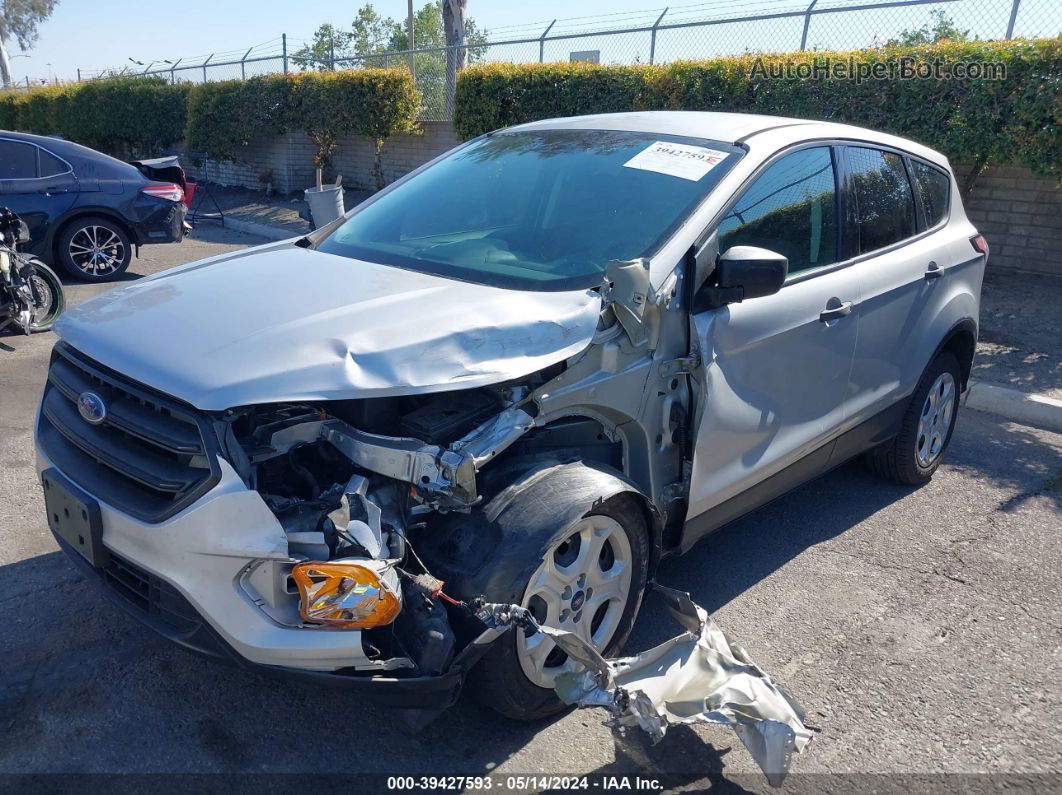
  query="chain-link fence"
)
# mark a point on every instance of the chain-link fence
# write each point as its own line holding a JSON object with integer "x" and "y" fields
{"x": 660, "y": 35}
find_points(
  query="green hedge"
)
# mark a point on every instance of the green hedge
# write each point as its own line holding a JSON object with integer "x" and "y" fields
{"x": 142, "y": 116}
{"x": 976, "y": 121}
{"x": 377, "y": 103}
{"x": 124, "y": 117}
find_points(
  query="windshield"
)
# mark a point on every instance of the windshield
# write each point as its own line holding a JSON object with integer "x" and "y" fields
{"x": 542, "y": 210}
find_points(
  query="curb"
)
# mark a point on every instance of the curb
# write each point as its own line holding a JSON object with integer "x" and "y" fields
{"x": 261, "y": 230}
{"x": 1013, "y": 404}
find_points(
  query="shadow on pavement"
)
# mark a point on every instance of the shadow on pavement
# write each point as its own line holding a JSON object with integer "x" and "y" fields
{"x": 85, "y": 688}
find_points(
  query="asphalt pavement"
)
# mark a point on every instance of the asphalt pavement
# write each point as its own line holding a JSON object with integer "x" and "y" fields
{"x": 920, "y": 628}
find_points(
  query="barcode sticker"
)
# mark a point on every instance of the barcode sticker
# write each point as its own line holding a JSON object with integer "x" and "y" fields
{"x": 677, "y": 160}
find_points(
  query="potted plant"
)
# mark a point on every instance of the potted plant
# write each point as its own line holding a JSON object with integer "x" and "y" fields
{"x": 325, "y": 200}
{"x": 319, "y": 110}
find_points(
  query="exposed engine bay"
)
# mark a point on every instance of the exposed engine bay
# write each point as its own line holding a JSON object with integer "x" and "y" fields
{"x": 352, "y": 503}
{"x": 368, "y": 493}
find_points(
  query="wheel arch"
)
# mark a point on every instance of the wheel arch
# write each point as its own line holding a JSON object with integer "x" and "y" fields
{"x": 551, "y": 494}
{"x": 961, "y": 341}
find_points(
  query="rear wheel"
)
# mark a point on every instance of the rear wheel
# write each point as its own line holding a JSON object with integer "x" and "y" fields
{"x": 94, "y": 249}
{"x": 917, "y": 450}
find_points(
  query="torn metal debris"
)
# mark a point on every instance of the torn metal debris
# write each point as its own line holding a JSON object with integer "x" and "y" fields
{"x": 700, "y": 676}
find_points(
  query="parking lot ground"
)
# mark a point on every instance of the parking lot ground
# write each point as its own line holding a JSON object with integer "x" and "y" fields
{"x": 920, "y": 628}
{"x": 1020, "y": 343}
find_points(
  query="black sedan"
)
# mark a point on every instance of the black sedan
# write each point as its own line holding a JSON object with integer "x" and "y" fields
{"x": 85, "y": 210}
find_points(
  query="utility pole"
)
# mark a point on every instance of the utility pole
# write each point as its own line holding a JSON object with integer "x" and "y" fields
{"x": 409, "y": 24}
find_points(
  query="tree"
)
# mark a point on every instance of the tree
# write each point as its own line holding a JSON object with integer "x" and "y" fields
{"x": 941, "y": 28}
{"x": 329, "y": 43}
{"x": 456, "y": 52}
{"x": 429, "y": 33}
{"x": 378, "y": 41}
{"x": 19, "y": 20}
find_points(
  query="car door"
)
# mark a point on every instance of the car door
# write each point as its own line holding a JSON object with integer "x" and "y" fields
{"x": 776, "y": 368}
{"x": 38, "y": 186}
{"x": 899, "y": 270}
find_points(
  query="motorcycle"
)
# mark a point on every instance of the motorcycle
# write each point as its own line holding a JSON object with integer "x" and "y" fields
{"x": 31, "y": 295}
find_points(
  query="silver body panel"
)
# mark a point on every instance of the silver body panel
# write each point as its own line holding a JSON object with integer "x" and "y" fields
{"x": 291, "y": 324}
{"x": 769, "y": 380}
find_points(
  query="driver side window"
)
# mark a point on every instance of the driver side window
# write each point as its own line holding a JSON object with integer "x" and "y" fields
{"x": 791, "y": 209}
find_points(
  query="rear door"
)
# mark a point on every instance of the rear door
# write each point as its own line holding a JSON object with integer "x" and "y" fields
{"x": 37, "y": 185}
{"x": 776, "y": 368}
{"x": 899, "y": 220}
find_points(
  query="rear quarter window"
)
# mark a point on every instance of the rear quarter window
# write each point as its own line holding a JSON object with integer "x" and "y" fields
{"x": 934, "y": 190}
{"x": 885, "y": 210}
{"x": 51, "y": 165}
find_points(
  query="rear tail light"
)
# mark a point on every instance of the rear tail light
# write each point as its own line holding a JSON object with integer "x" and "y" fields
{"x": 164, "y": 191}
{"x": 980, "y": 244}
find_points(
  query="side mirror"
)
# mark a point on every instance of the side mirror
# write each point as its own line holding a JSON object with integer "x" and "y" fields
{"x": 743, "y": 272}
{"x": 23, "y": 232}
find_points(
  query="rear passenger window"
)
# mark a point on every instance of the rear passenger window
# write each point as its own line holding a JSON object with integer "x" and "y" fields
{"x": 17, "y": 160}
{"x": 934, "y": 189}
{"x": 51, "y": 165}
{"x": 885, "y": 212}
{"x": 791, "y": 209}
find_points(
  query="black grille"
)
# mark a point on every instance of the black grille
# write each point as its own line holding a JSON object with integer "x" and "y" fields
{"x": 151, "y": 595}
{"x": 151, "y": 456}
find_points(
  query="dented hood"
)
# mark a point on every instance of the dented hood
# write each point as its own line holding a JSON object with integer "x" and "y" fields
{"x": 289, "y": 323}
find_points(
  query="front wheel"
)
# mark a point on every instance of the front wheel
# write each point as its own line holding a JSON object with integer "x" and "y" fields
{"x": 588, "y": 578}
{"x": 47, "y": 296}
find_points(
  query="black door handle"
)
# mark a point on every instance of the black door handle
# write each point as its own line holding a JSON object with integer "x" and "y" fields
{"x": 835, "y": 312}
{"x": 933, "y": 271}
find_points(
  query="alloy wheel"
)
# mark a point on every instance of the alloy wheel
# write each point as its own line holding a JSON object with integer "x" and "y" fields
{"x": 935, "y": 420}
{"x": 96, "y": 250}
{"x": 582, "y": 586}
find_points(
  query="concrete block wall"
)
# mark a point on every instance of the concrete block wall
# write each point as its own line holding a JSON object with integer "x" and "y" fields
{"x": 261, "y": 156}
{"x": 401, "y": 154}
{"x": 1020, "y": 214}
{"x": 289, "y": 158}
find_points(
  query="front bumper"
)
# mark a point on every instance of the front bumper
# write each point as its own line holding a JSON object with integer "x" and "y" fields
{"x": 158, "y": 605}
{"x": 182, "y": 578}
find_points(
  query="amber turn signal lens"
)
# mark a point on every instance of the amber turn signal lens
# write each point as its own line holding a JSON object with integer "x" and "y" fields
{"x": 347, "y": 595}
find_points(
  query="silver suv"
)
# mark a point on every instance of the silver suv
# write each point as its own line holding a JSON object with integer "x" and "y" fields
{"x": 528, "y": 371}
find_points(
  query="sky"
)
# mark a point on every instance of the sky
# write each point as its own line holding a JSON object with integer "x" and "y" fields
{"x": 97, "y": 34}
{"x": 93, "y": 35}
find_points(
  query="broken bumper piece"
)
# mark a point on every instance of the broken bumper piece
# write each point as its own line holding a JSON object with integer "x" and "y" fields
{"x": 177, "y": 620}
{"x": 697, "y": 677}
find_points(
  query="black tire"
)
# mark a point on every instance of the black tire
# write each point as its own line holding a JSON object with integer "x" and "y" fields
{"x": 47, "y": 290}
{"x": 498, "y": 681}
{"x": 495, "y": 551}
{"x": 75, "y": 244}
{"x": 899, "y": 458}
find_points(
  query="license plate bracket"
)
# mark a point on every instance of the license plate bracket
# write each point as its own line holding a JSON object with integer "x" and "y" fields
{"x": 74, "y": 516}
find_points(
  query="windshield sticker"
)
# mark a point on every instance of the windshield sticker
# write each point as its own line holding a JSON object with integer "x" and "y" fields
{"x": 677, "y": 160}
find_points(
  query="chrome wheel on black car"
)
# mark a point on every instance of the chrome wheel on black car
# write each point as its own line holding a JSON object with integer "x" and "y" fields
{"x": 94, "y": 249}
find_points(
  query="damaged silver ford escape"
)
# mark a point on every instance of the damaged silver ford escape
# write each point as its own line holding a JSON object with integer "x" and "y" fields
{"x": 521, "y": 375}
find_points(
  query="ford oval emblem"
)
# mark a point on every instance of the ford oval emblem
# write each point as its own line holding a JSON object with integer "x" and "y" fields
{"x": 91, "y": 408}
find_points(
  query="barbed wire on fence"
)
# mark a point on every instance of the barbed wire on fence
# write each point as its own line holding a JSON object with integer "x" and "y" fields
{"x": 652, "y": 36}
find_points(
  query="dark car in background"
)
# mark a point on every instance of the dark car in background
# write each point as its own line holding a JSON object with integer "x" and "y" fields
{"x": 86, "y": 211}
